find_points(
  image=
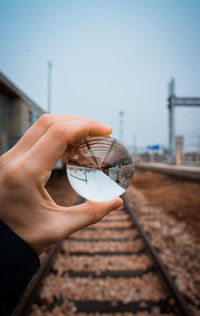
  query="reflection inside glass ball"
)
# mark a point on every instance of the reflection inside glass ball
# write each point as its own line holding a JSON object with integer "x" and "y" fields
{"x": 100, "y": 168}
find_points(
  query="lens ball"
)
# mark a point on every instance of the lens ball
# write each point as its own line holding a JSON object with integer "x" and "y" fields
{"x": 100, "y": 168}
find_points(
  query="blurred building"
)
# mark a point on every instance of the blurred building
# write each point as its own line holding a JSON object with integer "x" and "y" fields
{"x": 179, "y": 149}
{"x": 17, "y": 113}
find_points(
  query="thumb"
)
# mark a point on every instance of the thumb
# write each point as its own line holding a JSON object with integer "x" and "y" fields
{"x": 79, "y": 216}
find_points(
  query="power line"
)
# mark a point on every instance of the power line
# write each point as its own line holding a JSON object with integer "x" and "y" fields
{"x": 192, "y": 132}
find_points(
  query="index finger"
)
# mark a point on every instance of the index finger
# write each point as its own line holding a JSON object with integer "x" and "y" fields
{"x": 52, "y": 145}
{"x": 39, "y": 128}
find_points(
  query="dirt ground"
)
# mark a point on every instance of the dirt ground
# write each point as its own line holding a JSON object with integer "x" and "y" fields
{"x": 177, "y": 196}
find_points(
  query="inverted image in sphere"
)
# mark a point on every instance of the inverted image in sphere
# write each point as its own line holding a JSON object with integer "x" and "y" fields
{"x": 100, "y": 168}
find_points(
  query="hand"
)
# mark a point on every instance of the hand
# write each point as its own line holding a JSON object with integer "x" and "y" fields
{"x": 25, "y": 205}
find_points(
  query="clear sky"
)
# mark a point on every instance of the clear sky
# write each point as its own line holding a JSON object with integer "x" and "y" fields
{"x": 107, "y": 56}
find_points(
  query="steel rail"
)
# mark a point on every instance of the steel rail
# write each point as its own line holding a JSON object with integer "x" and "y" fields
{"x": 183, "y": 309}
{"x": 34, "y": 285}
{"x": 29, "y": 295}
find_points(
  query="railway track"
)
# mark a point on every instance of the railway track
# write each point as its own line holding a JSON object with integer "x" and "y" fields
{"x": 109, "y": 268}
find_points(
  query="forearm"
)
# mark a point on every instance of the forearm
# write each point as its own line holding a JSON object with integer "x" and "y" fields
{"x": 18, "y": 263}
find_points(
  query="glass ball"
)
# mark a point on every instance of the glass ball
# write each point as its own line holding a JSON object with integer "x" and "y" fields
{"x": 99, "y": 168}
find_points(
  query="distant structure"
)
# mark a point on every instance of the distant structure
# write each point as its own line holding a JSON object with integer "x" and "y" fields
{"x": 179, "y": 150}
{"x": 17, "y": 113}
{"x": 173, "y": 101}
{"x": 121, "y": 126}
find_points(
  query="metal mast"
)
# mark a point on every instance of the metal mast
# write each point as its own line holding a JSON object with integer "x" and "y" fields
{"x": 172, "y": 149}
{"x": 121, "y": 126}
{"x": 173, "y": 101}
{"x": 49, "y": 87}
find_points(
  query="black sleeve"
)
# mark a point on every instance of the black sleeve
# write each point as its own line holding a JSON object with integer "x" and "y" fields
{"x": 18, "y": 263}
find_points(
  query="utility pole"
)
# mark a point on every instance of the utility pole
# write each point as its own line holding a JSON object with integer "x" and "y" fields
{"x": 134, "y": 146}
{"x": 121, "y": 126}
{"x": 49, "y": 87}
{"x": 172, "y": 150}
